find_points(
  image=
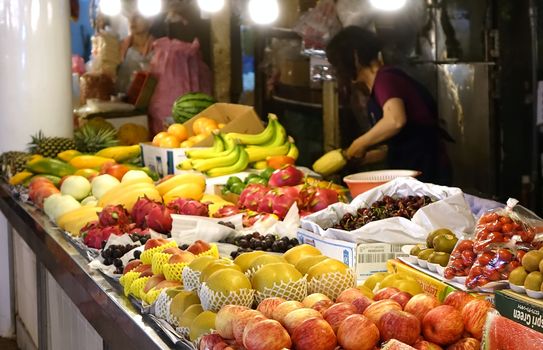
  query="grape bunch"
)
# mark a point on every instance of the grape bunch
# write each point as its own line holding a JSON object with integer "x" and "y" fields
{"x": 112, "y": 255}
{"x": 387, "y": 207}
{"x": 142, "y": 238}
{"x": 256, "y": 241}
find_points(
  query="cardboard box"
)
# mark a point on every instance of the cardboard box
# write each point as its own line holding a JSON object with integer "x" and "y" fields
{"x": 364, "y": 258}
{"x": 162, "y": 160}
{"x": 520, "y": 308}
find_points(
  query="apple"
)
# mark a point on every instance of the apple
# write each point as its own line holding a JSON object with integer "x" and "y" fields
{"x": 284, "y": 309}
{"x": 209, "y": 341}
{"x": 198, "y": 247}
{"x": 336, "y": 313}
{"x": 314, "y": 334}
{"x": 242, "y": 319}
{"x": 266, "y": 335}
{"x": 143, "y": 267}
{"x": 357, "y": 332}
{"x": 172, "y": 250}
{"x": 443, "y": 325}
{"x": 466, "y": 344}
{"x": 152, "y": 282}
{"x": 401, "y": 298}
{"x": 225, "y": 318}
{"x": 420, "y": 304}
{"x": 294, "y": 318}
{"x": 322, "y": 305}
{"x": 399, "y": 325}
{"x": 348, "y": 295}
{"x": 362, "y": 303}
{"x": 155, "y": 242}
{"x": 168, "y": 284}
{"x": 474, "y": 315}
{"x": 312, "y": 299}
{"x": 132, "y": 265}
{"x": 426, "y": 345}
{"x": 180, "y": 258}
{"x": 385, "y": 293}
{"x": 267, "y": 305}
{"x": 458, "y": 299}
{"x": 222, "y": 346}
{"x": 379, "y": 308}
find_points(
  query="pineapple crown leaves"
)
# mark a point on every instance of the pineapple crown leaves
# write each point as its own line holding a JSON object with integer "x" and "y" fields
{"x": 89, "y": 139}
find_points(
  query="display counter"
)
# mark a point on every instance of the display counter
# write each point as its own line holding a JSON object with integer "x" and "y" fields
{"x": 106, "y": 309}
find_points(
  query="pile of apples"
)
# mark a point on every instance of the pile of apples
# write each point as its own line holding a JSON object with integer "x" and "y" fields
{"x": 354, "y": 322}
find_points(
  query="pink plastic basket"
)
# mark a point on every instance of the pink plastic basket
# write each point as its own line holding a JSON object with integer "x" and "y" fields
{"x": 361, "y": 182}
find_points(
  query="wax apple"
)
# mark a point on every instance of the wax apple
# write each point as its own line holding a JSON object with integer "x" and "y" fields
{"x": 385, "y": 293}
{"x": 443, "y": 325}
{"x": 379, "y": 308}
{"x": 225, "y": 317}
{"x": 357, "y": 332}
{"x": 266, "y": 335}
{"x": 426, "y": 345}
{"x": 349, "y": 295}
{"x": 401, "y": 298}
{"x": 399, "y": 325}
{"x": 314, "y": 334}
{"x": 336, "y": 313}
{"x": 466, "y": 344}
{"x": 284, "y": 309}
{"x": 153, "y": 281}
{"x": 312, "y": 299}
{"x": 362, "y": 304}
{"x": 168, "y": 284}
{"x": 173, "y": 250}
{"x": 209, "y": 341}
{"x": 322, "y": 305}
{"x": 474, "y": 316}
{"x": 294, "y": 318}
{"x": 155, "y": 242}
{"x": 132, "y": 265}
{"x": 239, "y": 323}
{"x": 420, "y": 304}
{"x": 457, "y": 299}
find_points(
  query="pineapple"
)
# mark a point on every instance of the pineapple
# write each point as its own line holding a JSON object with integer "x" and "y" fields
{"x": 50, "y": 146}
{"x": 89, "y": 139}
{"x": 13, "y": 162}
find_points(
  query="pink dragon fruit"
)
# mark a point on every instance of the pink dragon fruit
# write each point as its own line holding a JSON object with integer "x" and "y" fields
{"x": 284, "y": 198}
{"x": 251, "y": 196}
{"x": 226, "y": 211}
{"x": 251, "y": 217}
{"x": 140, "y": 210}
{"x": 188, "y": 207}
{"x": 316, "y": 198}
{"x": 287, "y": 176}
{"x": 159, "y": 219}
{"x": 113, "y": 215}
{"x": 265, "y": 204}
{"x": 111, "y": 230}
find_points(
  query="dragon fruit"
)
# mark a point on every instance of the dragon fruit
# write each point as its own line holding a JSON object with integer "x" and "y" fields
{"x": 287, "y": 176}
{"x": 317, "y": 198}
{"x": 284, "y": 198}
{"x": 159, "y": 219}
{"x": 251, "y": 217}
{"x": 113, "y": 215}
{"x": 93, "y": 234}
{"x": 111, "y": 230}
{"x": 140, "y": 210}
{"x": 226, "y": 211}
{"x": 252, "y": 195}
{"x": 265, "y": 204}
{"x": 188, "y": 207}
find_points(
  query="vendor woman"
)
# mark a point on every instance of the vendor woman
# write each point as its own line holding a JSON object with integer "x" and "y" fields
{"x": 402, "y": 112}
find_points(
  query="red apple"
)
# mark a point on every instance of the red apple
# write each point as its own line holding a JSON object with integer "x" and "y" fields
{"x": 379, "y": 308}
{"x": 362, "y": 303}
{"x": 168, "y": 284}
{"x": 294, "y": 318}
{"x": 399, "y": 325}
{"x": 420, "y": 304}
{"x": 222, "y": 346}
{"x": 314, "y": 334}
{"x": 117, "y": 170}
{"x": 322, "y": 305}
{"x": 284, "y": 309}
{"x": 153, "y": 281}
{"x": 267, "y": 305}
{"x": 465, "y": 344}
{"x": 183, "y": 257}
{"x": 396, "y": 345}
{"x": 349, "y": 295}
{"x": 312, "y": 299}
{"x": 336, "y": 313}
{"x": 426, "y": 345}
{"x": 209, "y": 341}
{"x": 401, "y": 298}
{"x": 172, "y": 250}
{"x": 357, "y": 332}
{"x": 458, "y": 299}
{"x": 385, "y": 293}
{"x": 131, "y": 265}
{"x": 474, "y": 316}
{"x": 443, "y": 325}
{"x": 155, "y": 242}
{"x": 239, "y": 323}
{"x": 199, "y": 247}
{"x": 266, "y": 335}
{"x": 225, "y": 318}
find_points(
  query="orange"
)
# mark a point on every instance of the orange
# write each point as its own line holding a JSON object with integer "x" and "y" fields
{"x": 197, "y": 125}
{"x": 158, "y": 137}
{"x": 208, "y": 127}
{"x": 203, "y": 124}
{"x": 179, "y": 131}
{"x": 169, "y": 141}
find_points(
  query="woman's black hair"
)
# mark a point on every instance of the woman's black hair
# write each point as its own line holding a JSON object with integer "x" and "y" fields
{"x": 349, "y": 44}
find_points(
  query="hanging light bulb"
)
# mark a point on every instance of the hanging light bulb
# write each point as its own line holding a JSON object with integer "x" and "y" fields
{"x": 110, "y": 7}
{"x": 263, "y": 11}
{"x": 149, "y": 8}
{"x": 388, "y": 5}
{"x": 211, "y": 5}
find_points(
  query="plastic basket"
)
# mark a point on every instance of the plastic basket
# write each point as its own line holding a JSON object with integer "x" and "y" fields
{"x": 361, "y": 182}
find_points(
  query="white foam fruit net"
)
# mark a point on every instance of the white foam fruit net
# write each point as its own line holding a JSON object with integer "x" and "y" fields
{"x": 147, "y": 255}
{"x": 162, "y": 305}
{"x": 292, "y": 290}
{"x": 183, "y": 331}
{"x": 332, "y": 284}
{"x": 213, "y": 301}
{"x": 191, "y": 279}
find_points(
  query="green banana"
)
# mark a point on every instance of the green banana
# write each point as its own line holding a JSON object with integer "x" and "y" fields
{"x": 279, "y": 138}
{"x": 237, "y": 167}
{"x": 256, "y": 139}
{"x": 219, "y": 145}
{"x": 217, "y": 162}
{"x": 293, "y": 151}
{"x": 257, "y": 153}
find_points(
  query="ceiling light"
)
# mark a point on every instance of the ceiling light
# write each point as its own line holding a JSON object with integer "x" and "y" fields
{"x": 388, "y": 5}
{"x": 263, "y": 11}
{"x": 211, "y": 5}
{"x": 110, "y": 7}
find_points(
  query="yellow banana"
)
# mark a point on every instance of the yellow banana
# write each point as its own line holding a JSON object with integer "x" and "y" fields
{"x": 68, "y": 155}
{"x": 229, "y": 145}
{"x": 293, "y": 151}
{"x": 217, "y": 162}
{"x": 256, "y": 139}
{"x": 237, "y": 167}
{"x": 209, "y": 152}
{"x": 77, "y": 215}
{"x": 278, "y": 139}
{"x": 186, "y": 191}
{"x": 120, "y": 153}
{"x": 185, "y": 165}
{"x": 257, "y": 153}
{"x": 89, "y": 161}
{"x": 181, "y": 179}
{"x": 260, "y": 165}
